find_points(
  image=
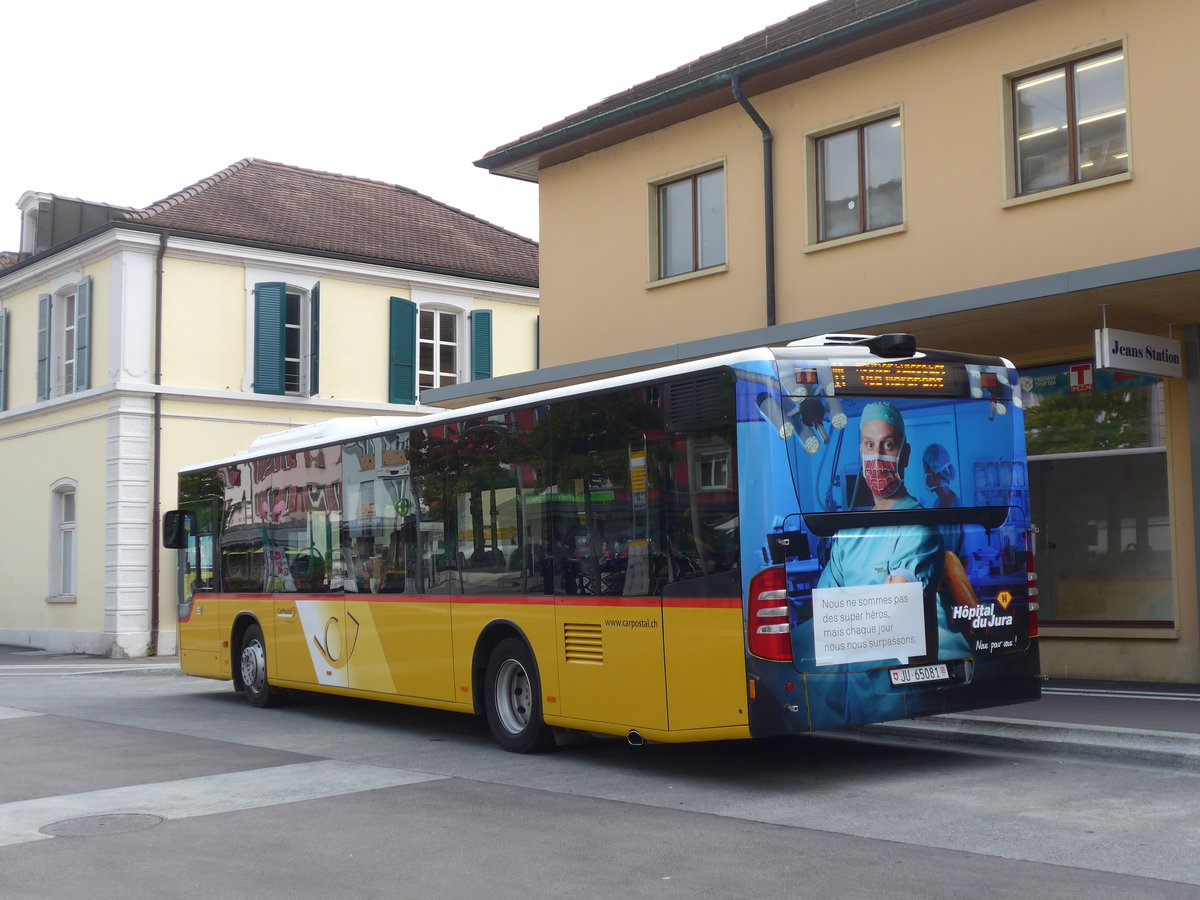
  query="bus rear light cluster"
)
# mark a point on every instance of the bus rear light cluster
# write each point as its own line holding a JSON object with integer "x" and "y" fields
{"x": 770, "y": 633}
{"x": 1031, "y": 578}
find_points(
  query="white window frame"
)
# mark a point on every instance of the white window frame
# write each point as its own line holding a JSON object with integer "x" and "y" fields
{"x": 460, "y": 344}
{"x": 63, "y": 542}
{"x": 301, "y": 365}
{"x": 706, "y": 456}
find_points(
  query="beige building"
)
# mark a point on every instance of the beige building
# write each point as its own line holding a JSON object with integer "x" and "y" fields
{"x": 134, "y": 342}
{"x": 1000, "y": 176}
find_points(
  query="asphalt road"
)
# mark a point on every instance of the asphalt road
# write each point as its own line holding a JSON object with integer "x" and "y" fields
{"x": 146, "y": 783}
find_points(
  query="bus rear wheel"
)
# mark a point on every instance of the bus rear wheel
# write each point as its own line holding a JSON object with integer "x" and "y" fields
{"x": 252, "y": 665}
{"x": 512, "y": 699}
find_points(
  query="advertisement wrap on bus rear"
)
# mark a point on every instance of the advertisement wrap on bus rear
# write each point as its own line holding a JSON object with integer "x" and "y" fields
{"x": 894, "y": 498}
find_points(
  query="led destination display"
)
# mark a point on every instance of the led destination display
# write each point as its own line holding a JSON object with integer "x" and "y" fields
{"x": 901, "y": 378}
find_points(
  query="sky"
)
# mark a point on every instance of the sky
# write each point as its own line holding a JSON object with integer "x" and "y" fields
{"x": 128, "y": 101}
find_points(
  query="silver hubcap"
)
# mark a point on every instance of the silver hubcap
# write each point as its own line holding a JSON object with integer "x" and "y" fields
{"x": 513, "y": 696}
{"x": 254, "y": 667}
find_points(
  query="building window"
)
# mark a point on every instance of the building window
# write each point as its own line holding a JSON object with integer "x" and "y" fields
{"x": 713, "y": 469}
{"x": 63, "y": 541}
{"x": 286, "y": 339}
{"x": 64, "y": 341}
{"x": 691, "y": 223}
{"x": 426, "y": 346}
{"x": 437, "y": 348}
{"x": 859, "y": 179}
{"x": 3, "y": 359}
{"x": 1070, "y": 123}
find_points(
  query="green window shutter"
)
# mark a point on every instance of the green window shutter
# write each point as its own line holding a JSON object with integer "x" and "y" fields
{"x": 402, "y": 351}
{"x": 481, "y": 344}
{"x": 537, "y": 342}
{"x": 269, "y": 300}
{"x": 314, "y": 340}
{"x": 83, "y": 338}
{"x": 3, "y": 359}
{"x": 43, "y": 347}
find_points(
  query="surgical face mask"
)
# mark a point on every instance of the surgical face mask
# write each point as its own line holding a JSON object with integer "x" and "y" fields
{"x": 937, "y": 479}
{"x": 882, "y": 474}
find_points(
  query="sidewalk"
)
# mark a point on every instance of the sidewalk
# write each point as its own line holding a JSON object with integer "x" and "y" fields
{"x": 1144, "y": 724}
{"x": 29, "y": 661}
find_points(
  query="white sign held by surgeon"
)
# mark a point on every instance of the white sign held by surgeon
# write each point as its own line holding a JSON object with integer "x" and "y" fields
{"x": 866, "y": 623}
{"x": 1142, "y": 354}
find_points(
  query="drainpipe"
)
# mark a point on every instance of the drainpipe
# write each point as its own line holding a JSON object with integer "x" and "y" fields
{"x": 768, "y": 191}
{"x": 156, "y": 452}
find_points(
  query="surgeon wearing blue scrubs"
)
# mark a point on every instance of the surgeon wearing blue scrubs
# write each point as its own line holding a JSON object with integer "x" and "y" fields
{"x": 887, "y": 554}
{"x": 884, "y": 554}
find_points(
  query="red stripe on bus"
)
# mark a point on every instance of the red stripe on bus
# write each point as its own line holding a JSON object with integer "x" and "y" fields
{"x": 505, "y": 599}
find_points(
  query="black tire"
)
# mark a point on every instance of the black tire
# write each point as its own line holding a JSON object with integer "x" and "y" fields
{"x": 513, "y": 699}
{"x": 252, "y": 667}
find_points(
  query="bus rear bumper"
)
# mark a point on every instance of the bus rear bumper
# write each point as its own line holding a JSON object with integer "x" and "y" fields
{"x": 839, "y": 699}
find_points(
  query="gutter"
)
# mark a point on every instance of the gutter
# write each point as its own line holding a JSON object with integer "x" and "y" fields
{"x": 156, "y": 451}
{"x": 768, "y": 192}
{"x": 918, "y": 9}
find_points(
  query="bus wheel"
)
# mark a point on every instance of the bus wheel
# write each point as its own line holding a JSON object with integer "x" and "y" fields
{"x": 512, "y": 698}
{"x": 253, "y": 664}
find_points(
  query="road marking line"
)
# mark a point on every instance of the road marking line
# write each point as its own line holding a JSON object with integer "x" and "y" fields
{"x": 204, "y": 796}
{"x": 7, "y": 712}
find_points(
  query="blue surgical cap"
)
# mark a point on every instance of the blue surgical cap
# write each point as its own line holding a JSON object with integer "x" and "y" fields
{"x": 936, "y": 458}
{"x": 883, "y": 412}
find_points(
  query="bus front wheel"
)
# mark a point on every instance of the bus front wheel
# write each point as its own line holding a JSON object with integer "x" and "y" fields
{"x": 253, "y": 668}
{"x": 512, "y": 699}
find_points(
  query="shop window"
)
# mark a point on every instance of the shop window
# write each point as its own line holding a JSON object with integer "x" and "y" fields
{"x": 1097, "y": 487}
{"x": 1070, "y": 122}
{"x": 690, "y": 221}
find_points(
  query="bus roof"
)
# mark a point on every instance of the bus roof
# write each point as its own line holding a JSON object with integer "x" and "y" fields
{"x": 850, "y": 348}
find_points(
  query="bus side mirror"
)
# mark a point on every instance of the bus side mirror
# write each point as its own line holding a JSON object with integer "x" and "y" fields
{"x": 177, "y": 527}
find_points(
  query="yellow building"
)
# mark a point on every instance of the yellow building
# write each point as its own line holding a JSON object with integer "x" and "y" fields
{"x": 136, "y": 342}
{"x": 999, "y": 176}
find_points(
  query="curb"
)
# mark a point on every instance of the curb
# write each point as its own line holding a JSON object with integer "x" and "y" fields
{"x": 27, "y": 670}
{"x": 1099, "y": 743}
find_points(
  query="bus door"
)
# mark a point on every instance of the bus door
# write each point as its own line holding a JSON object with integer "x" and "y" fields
{"x": 199, "y": 620}
{"x": 312, "y": 639}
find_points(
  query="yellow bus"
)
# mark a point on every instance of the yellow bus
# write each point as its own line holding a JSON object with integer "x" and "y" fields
{"x": 773, "y": 541}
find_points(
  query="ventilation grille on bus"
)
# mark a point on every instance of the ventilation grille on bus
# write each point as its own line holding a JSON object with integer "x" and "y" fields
{"x": 699, "y": 402}
{"x": 582, "y": 643}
